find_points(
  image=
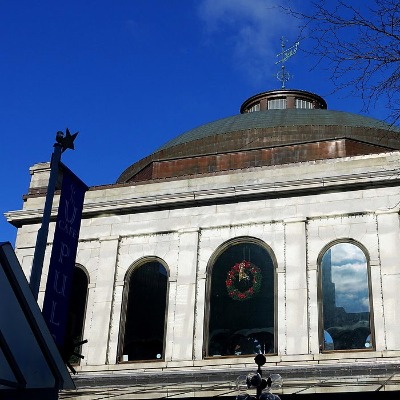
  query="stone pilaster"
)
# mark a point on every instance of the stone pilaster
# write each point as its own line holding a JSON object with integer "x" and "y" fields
{"x": 180, "y": 332}
{"x": 389, "y": 250}
{"x": 101, "y": 297}
{"x": 296, "y": 287}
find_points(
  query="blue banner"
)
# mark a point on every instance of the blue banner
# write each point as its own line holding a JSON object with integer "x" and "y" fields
{"x": 62, "y": 260}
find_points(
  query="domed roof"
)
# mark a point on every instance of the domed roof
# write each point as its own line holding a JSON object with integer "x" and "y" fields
{"x": 276, "y": 118}
{"x": 271, "y": 128}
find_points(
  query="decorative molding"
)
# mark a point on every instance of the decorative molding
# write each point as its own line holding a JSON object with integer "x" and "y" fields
{"x": 299, "y": 187}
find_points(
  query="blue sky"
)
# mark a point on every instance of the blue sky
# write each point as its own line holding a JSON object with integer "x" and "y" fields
{"x": 130, "y": 75}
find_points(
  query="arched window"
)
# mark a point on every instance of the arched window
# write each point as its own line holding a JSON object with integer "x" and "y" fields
{"x": 143, "y": 320}
{"x": 77, "y": 310}
{"x": 345, "y": 296}
{"x": 241, "y": 307}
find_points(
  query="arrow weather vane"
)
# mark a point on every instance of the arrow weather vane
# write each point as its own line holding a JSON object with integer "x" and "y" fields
{"x": 283, "y": 56}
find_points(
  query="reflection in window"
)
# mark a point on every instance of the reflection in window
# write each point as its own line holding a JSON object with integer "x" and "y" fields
{"x": 76, "y": 311}
{"x": 241, "y": 319}
{"x": 345, "y": 296}
{"x": 146, "y": 294}
{"x": 328, "y": 341}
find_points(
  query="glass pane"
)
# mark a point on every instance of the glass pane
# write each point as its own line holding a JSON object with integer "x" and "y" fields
{"x": 345, "y": 295}
{"x": 277, "y": 104}
{"x": 255, "y": 107}
{"x": 76, "y": 311}
{"x": 145, "y": 315}
{"x": 242, "y": 302}
{"x": 301, "y": 103}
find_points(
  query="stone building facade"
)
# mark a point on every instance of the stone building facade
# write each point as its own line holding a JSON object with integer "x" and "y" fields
{"x": 275, "y": 231}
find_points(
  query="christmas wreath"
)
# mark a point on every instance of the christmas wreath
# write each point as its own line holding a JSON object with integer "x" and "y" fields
{"x": 243, "y": 281}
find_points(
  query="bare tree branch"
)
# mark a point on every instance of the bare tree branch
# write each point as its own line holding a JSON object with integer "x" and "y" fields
{"x": 362, "y": 46}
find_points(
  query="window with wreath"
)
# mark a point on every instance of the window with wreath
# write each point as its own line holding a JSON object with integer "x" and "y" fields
{"x": 143, "y": 327}
{"x": 76, "y": 311}
{"x": 346, "y": 301}
{"x": 241, "y": 306}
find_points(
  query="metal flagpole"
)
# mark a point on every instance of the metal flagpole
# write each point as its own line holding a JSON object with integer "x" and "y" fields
{"x": 62, "y": 143}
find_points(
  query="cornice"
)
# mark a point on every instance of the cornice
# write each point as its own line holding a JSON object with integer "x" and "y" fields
{"x": 221, "y": 195}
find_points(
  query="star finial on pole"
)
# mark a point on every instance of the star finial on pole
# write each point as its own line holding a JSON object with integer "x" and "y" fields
{"x": 66, "y": 141}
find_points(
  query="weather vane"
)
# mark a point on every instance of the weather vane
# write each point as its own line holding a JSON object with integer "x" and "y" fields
{"x": 283, "y": 56}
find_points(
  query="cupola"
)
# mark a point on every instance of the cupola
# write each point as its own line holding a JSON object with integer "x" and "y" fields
{"x": 281, "y": 100}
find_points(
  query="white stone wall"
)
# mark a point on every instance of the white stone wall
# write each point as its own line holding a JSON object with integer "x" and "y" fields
{"x": 296, "y": 227}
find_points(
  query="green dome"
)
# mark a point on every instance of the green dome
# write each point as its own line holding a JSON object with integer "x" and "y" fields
{"x": 268, "y": 129}
{"x": 277, "y": 118}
